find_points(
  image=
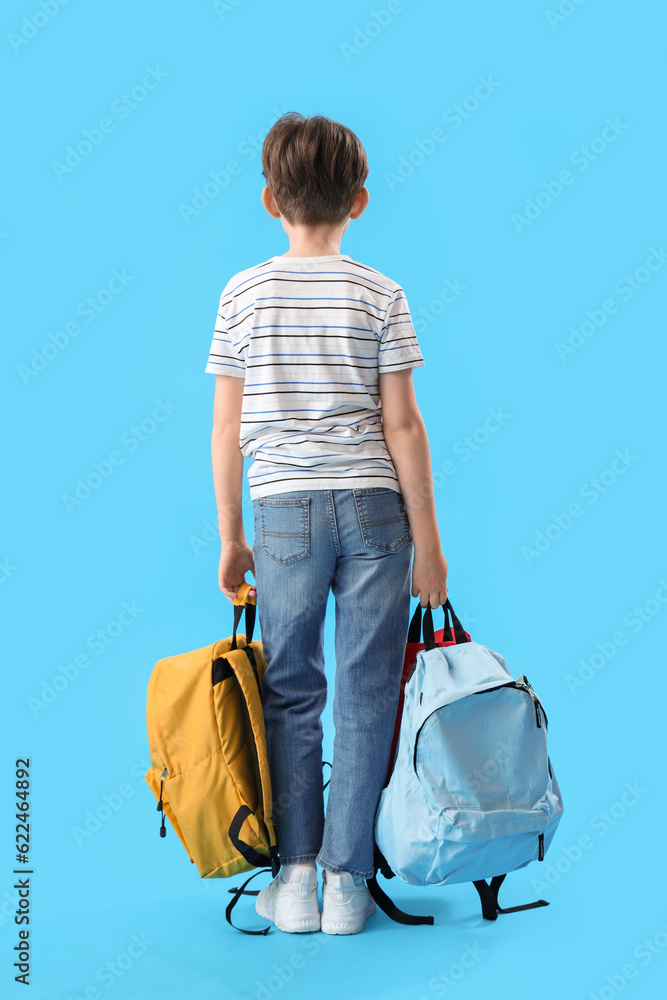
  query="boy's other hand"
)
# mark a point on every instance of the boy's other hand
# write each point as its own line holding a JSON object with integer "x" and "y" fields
{"x": 236, "y": 559}
{"x": 429, "y": 577}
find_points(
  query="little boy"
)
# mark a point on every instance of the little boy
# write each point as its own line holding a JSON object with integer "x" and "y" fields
{"x": 313, "y": 355}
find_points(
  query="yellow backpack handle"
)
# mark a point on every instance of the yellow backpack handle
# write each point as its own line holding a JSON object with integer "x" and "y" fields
{"x": 242, "y": 594}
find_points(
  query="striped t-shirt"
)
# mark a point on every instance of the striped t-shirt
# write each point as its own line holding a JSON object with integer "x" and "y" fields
{"x": 311, "y": 335}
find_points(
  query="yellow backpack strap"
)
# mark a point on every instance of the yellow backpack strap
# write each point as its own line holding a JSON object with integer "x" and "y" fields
{"x": 248, "y": 682}
{"x": 242, "y": 594}
{"x": 241, "y": 601}
{"x": 252, "y": 695}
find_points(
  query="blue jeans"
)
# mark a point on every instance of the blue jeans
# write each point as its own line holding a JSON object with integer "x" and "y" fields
{"x": 356, "y": 542}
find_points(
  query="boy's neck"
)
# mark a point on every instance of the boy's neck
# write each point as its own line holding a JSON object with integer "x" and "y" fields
{"x": 313, "y": 241}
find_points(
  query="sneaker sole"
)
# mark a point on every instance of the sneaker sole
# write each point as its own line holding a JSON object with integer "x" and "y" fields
{"x": 301, "y": 925}
{"x": 347, "y": 926}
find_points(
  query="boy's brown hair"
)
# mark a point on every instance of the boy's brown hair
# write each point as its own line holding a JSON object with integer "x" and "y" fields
{"x": 314, "y": 168}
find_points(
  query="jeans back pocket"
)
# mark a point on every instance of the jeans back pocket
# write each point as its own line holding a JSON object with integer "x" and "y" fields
{"x": 383, "y": 518}
{"x": 285, "y": 528}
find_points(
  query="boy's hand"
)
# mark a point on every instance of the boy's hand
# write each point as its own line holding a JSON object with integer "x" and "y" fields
{"x": 429, "y": 577}
{"x": 235, "y": 560}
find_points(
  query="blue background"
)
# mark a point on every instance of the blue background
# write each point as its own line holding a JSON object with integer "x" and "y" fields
{"x": 144, "y": 535}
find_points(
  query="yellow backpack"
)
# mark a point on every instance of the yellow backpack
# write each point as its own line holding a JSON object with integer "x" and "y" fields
{"x": 209, "y": 770}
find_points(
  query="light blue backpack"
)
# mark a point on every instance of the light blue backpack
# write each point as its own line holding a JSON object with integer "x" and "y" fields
{"x": 472, "y": 794}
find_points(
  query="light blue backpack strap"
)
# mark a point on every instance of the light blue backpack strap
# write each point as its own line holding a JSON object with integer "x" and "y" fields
{"x": 488, "y": 894}
{"x": 460, "y": 635}
{"x": 382, "y": 899}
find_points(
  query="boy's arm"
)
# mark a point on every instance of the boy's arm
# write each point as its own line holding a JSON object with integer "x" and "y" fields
{"x": 407, "y": 443}
{"x": 227, "y": 464}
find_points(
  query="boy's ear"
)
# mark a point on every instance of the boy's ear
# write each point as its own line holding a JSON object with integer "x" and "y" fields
{"x": 269, "y": 203}
{"x": 360, "y": 203}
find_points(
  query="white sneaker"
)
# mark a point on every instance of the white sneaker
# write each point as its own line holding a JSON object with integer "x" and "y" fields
{"x": 292, "y": 906}
{"x": 346, "y": 903}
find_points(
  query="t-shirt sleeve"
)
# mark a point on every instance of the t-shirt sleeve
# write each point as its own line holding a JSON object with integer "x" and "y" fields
{"x": 224, "y": 358}
{"x": 398, "y": 342}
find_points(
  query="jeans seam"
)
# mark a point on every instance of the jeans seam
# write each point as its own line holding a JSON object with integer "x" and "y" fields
{"x": 333, "y": 522}
{"x": 337, "y": 870}
{"x": 295, "y": 859}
